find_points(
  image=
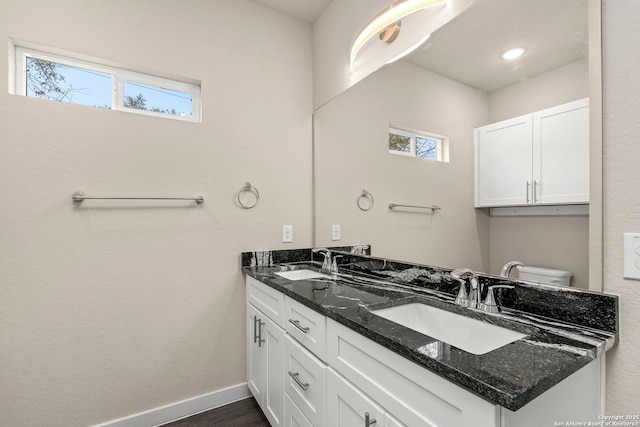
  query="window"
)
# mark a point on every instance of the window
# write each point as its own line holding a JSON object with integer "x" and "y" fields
{"x": 65, "y": 79}
{"x": 417, "y": 144}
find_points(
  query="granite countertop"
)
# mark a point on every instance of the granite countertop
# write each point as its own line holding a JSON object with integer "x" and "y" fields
{"x": 510, "y": 376}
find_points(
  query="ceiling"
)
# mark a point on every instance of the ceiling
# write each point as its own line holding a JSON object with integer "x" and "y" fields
{"x": 468, "y": 48}
{"x": 305, "y": 10}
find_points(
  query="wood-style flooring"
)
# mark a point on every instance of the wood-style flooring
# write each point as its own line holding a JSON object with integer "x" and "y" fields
{"x": 244, "y": 413}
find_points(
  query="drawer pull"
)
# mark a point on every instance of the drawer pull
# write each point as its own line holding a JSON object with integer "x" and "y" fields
{"x": 367, "y": 422}
{"x": 296, "y": 323}
{"x": 294, "y": 375}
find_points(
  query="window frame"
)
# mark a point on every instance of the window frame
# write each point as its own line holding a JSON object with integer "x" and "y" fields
{"x": 413, "y": 136}
{"x": 118, "y": 77}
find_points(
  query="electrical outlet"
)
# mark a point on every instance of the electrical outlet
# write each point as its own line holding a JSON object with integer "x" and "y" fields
{"x": 632, "y": 256}
{"x": 287, "y": 233}
{"x": 335, "y": 232}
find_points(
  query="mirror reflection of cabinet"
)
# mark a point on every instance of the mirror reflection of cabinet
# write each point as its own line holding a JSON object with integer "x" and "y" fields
{"x": 535, "y": 159}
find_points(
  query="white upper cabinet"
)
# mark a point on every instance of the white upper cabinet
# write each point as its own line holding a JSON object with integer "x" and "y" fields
{"x": 535, "y": 159}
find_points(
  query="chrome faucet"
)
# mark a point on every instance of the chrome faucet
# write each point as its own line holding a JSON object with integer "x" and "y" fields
{"x": 490, "y": 305}
{"x": 326, "y": 263}
{"x": 475, "y": 291}
{"x": 506, "y": 270}
{"x": 359, "y": 249}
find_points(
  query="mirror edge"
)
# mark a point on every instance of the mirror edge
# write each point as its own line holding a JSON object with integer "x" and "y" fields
{"x": 595, "y": 155}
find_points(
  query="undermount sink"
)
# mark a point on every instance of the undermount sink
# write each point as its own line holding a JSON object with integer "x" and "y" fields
{"x": 470, "y": 335}
{"x": 301, "y": 274}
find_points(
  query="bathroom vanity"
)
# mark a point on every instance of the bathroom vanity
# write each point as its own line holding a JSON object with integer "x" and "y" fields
{"x": 322, "y": 349}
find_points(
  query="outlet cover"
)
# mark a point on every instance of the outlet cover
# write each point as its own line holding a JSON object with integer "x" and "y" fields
{"x": 632, "y": 256}
{"x": 335, "y": 232}
{"x": 287, "y": 233}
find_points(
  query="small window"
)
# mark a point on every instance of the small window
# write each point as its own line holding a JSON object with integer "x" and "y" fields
{"x": 65, "y": 79}
{"x": 417, "y": 144}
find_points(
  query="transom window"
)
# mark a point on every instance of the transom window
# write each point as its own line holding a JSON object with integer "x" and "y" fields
{"x": 64, "y": 79}
{"x": 416, "y": 144}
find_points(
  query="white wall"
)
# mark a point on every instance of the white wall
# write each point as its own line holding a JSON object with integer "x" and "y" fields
{"x": 112, "y": 308}
{"x": 351, "y": 153}
{"x": 621, "y": 125}
{"x": 559, "y": 86}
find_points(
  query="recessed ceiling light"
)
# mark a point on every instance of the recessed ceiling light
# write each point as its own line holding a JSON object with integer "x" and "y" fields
{"x": 513, "y": 53}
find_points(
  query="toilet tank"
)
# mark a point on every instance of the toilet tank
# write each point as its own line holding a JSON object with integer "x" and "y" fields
{"x": 545, "y": 275}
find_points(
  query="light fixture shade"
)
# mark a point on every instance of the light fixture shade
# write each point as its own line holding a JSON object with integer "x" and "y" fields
{"x": 390, "y": 15}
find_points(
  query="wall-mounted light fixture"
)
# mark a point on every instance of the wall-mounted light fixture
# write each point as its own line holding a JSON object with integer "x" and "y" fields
{"x": 387, "y": 23}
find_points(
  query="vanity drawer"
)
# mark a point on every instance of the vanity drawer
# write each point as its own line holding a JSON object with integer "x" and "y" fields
{"x": 293, "y": 417}
{"x": 308, "y": 327}
{"x": 305, "y": 381}
{"x": 266, "y": 299}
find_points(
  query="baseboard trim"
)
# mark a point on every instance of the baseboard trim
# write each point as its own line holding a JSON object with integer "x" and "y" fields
{"x": 182, "y": 409}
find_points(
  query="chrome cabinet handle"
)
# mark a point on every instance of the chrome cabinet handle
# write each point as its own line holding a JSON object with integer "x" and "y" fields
{"x": 260, "y": 325}
{"x": 535, "y": 193}
{"x": 255, "y": 329}
{"x": 294, "y": 375}
{"x": 368, "y": 422}
{"x": 296, "y": 323}
{"x": 528, "y": 200}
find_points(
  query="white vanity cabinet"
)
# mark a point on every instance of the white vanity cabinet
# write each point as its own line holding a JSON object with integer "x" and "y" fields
{"x": 265, "y": 349}
{"x": 400, "y": 392}
{"x": 535, "y": 159}
{"x": 307, "y": 370}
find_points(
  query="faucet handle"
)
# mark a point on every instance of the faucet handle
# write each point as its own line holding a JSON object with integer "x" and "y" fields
{"x": 334, "y": 265}
{"x": 326, "y": 253}
{"x": 489, "y": 305}
{"x": 462, "y": 298}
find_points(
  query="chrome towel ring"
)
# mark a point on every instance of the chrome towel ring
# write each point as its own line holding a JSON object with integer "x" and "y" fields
{"x": 365, "y": 195}
{"x": 248, "y": 188}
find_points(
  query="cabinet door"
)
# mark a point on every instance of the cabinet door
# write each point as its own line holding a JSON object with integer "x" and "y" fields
{"x": 255, "y": 372}
{"x": 504, "y": 160}
{"x": 265, "y": 364}
{"x": 273, "y": 366}
{"x": 561, "y": 154}
{"x": 347, "y": 406}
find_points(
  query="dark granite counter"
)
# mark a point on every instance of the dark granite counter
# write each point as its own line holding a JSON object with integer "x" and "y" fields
{"x": 565, "y": 328}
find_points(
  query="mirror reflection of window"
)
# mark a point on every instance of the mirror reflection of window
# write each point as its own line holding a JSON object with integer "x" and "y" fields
{"x": 416, "y": 144}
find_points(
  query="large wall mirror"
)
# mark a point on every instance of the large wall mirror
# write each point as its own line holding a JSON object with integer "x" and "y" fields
{"x": 454, "y": 83}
